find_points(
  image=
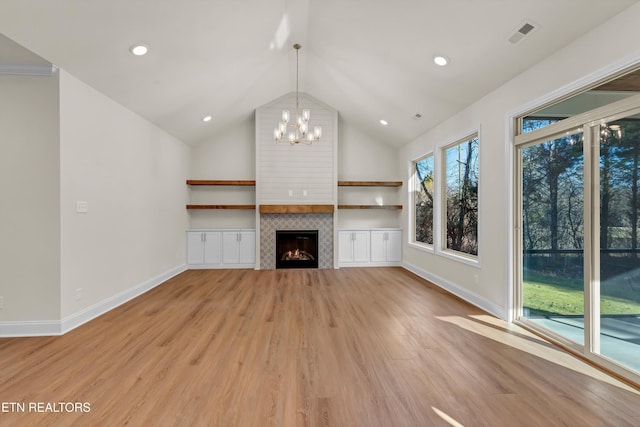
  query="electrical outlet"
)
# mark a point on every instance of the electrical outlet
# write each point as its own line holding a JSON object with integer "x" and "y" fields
{"x": 290, "y": 193}
{"x": 304, "y": 193}
{"x": 78, "y": 294}
{"x": 82, "y": 206}
{"x": 1, "y": 303}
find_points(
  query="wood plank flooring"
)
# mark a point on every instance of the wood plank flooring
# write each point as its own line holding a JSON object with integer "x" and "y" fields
{"x": 349, "y": 347}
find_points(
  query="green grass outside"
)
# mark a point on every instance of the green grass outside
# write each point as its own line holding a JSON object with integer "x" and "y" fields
{"x": 550, "y": 295}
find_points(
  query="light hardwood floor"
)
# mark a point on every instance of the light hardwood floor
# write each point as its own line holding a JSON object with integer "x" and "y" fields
{"x": 348, "y": 347}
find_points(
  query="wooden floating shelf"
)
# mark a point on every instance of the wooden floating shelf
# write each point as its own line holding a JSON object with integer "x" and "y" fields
{"x": 295, "y": 209}
{"x": 369, "y": 206}
{"x": 221, "y": 206}
{"x": 246, "y": 182}
{"x": 369, "y": 183}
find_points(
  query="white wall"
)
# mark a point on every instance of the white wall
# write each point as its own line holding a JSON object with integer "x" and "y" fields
{"x": 363, "y": 158}
{"x": 609, "y": 46}
{"x": 229, "y": 155}
{"x": 29, "y": 198}
{"x": 132, "y": 174}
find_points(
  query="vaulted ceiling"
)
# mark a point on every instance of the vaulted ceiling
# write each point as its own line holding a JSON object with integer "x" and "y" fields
{"x": 369, "y": 59}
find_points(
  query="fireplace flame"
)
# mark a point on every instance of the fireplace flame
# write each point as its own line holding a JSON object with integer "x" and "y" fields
{"x": 298, "y": 255}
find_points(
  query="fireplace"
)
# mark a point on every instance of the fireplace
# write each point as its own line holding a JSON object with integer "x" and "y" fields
{"x": 296, "y": 248}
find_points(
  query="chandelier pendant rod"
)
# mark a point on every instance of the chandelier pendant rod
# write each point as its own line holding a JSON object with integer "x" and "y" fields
{"x": 297, "y": 48}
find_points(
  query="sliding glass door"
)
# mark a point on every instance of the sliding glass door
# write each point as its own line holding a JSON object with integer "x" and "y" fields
{"x": 618, "y": 258}
{"x": 577, "y": 220}
{"x": 553, "y": 234}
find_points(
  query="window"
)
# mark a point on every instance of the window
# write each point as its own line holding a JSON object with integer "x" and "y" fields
{"x": 529, "y": 124}
{"x": 461, "y": 193}
{"x": 423, "y": 200}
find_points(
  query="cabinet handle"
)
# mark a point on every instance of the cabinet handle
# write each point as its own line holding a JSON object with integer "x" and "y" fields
{"x": 204, "y": 237}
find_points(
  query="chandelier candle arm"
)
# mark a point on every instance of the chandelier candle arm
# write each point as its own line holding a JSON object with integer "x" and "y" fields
{"x": 299, "y": 129}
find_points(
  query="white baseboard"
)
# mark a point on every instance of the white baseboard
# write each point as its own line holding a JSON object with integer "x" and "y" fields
{"x": 220, "y": 266}
{"x": 370, "y": 264}
{"x": 458, "y": 291}
{"x": 30, "y": 328}
{"x": 60, "y": 327}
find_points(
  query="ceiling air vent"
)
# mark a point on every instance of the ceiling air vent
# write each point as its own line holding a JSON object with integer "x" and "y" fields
{"x": 525, "y": 29}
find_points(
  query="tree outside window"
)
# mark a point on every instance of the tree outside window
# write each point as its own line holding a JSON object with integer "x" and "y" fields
{"x": 461, "y": 192}
{"x": 423, "y": 200}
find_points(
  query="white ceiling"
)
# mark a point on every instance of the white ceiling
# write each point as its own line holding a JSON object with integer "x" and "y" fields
{"x": 369, "y": 59}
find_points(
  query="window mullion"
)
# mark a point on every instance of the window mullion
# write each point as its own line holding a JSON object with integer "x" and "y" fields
{"x": 592, "y": 240}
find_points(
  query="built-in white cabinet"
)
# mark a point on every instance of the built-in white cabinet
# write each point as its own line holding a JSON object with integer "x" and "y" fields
{"x": 386, "y": 246}
{"x": 353, "y": 246}
{"x": 221, "y": 248}
{"x": 239, "y": 247}
{"x": 204, "y": 247}
{"x": 369, "y": 248}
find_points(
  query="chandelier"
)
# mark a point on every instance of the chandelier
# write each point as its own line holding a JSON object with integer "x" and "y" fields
{"x": 607, "y": 131}
{"x": 298, "y": 131}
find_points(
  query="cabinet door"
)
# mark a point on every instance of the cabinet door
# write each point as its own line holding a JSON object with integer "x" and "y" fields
{"x": 379, "y": 246}
{"x": 212, "y": 247}
{"x": 231, "y": 247}
{"x": 361, "y": 246}
{"x": 345, "y": 246}
{"x": 394, "y": 246}
{"x": 195, "y": 247}
{"x": 247, "y": 253}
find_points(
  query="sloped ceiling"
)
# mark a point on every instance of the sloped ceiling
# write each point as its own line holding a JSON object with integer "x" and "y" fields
{"x": 370, "y": 59}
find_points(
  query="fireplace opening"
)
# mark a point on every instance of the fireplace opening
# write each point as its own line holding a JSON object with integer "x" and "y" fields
{"x": 296, "y": 248}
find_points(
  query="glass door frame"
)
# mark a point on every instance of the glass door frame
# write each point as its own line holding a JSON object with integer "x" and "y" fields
{"x": 589, "y": 125}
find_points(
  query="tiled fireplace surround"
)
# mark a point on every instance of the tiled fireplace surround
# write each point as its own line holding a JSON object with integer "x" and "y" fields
{"x": 269, "y": 223}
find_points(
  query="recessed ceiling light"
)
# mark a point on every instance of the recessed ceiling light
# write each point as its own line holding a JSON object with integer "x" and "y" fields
{"x": 206, "y": 119}
{"x": 139, "y": 49}
{"x": 384, "y": 122}
{"x": 441, "y": 60}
